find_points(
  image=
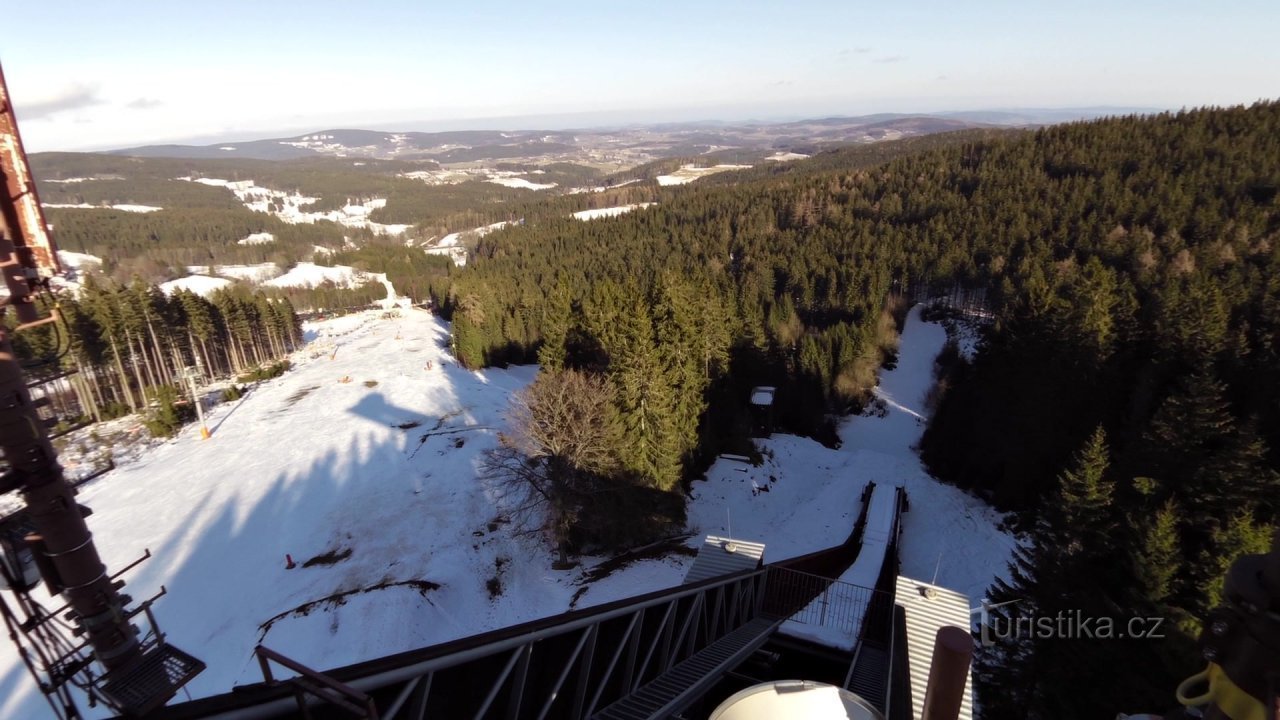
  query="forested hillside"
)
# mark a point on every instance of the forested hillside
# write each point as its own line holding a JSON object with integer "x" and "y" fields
{"x": 1125, "y": 403}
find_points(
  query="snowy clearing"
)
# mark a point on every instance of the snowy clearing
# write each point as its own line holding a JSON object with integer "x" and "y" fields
{"x": 78, "y": 261}
{"x": 258, "y": 273}
{"x": 514, "y": 182}
{"x": 258, "y": 238}
{"x": 289, "y": 206}
{"x": 202, "y": 285}
{"x": 599, "y": 188}
{"x": 689, "y": 173}
{"x": 786, "y": 156}
{"x": 306, "y": 275}
{"x": 451, "y": 244}
{"x": 122, "y": 208}
{"x": 610, "y": 211}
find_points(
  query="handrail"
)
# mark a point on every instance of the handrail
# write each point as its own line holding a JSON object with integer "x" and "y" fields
{"x": 392, "y": 669}
{"x": 362, "y": 705}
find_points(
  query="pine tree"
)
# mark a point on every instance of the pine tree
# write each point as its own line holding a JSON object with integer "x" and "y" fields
{"x": 1239, "y": 535}
{"x": 1157, "y": 559}
{"x": 1084, "y": 499}
{"x": 646, "y": 404}
{"x": 1056, "y": 571}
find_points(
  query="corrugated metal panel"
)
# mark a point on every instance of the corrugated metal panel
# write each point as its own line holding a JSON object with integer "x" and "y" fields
{"x": 723, "y": 556}
{"x": 924, "y": 616}
{"x": 763, "y": 395}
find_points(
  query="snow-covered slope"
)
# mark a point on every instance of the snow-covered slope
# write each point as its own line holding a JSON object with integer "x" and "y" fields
{"x": 364, "y": 459}
{"x": 807, "y": 482}
{"x": 289, "y": 206}
{"x": 198, "y": 284}
{"x": 689, "y": 173}
{"x": 306, "y": 274}
{"x": 515, "y": 182}
{"x": 258, "y": 273}
{"x": 258, "y": 238}
{"x": 78, "y": 261}
{"x": 451, "y": 244}
{"x": 382, "y": 466}
{"x": 609, "y": 211}
{"x": 122, "y": 208}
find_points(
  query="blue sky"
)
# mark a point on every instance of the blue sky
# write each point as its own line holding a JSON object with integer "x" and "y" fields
{"x": 97, "y": 75}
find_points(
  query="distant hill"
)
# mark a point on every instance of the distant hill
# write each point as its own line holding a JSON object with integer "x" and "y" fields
{"x": 619, "y": 146}
{"x": 362, "y": 143}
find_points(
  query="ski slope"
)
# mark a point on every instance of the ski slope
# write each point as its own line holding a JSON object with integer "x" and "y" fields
{"x": 375, "y": 479}
{"x": 812, "y": 499}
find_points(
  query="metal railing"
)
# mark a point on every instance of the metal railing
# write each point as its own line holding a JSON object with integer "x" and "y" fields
{"x": 574, "y": 665}
{"x": 815, "y": 600}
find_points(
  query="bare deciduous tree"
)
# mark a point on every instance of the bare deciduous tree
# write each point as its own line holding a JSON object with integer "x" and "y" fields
{"x": 560, "y": 445}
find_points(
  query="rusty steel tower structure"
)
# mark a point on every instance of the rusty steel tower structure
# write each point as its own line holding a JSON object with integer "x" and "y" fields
{"x": 139, "y": 671}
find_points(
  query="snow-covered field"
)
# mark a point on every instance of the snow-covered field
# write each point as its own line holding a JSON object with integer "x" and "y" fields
{"x": 123, "y": 207}
{"x": 307, "y": 274}
{"x": 451, "y": 245}
{"x": 258, "y": 238}
{"x": 78, "y": 261}
{"x": 786, "y": 156}
{"x": 260, "y": 272}
{"x": 609, "y": 211}
{"x": 289, "y": 206}
{"x": 303, "y": 275}
{"x": 516, "y": 182}
{"x": 689, "y": 173}
{"x": 599, "y": 188}
{"x": 202, "y": 285}
{"x": 363, "y": 460}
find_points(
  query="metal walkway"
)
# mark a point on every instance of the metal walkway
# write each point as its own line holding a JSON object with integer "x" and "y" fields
{"x": 674, "y": 690}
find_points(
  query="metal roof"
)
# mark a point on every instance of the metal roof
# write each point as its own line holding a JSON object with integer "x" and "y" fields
{"x": 924, "y": 616}
{"x": 722, "y": 556}
{"x": 762, "y": 395}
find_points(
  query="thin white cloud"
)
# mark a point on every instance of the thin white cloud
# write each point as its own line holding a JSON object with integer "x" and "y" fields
{"x": 73, "y": 97}
{"x": 890, "y": 59}
{"x": 143, "y": 103}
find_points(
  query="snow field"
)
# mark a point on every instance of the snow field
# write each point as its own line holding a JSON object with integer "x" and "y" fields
{"x": 123, "y": 207}
{"x": 202, "y": 285}
{"x": 689, "y": 173}
{"x": 610, "y": 211}
{"x": 261, "y": 199}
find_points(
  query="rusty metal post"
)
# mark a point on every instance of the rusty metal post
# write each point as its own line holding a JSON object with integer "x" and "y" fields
{"x": 26, "y": 254}
{"x": 948, "y": 673}
{"x": 80, "y": 575}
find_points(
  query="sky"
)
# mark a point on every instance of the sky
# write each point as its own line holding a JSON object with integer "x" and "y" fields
{"x": 109, "y": 75}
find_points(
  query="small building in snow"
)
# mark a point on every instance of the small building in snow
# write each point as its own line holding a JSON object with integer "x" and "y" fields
{"x": 762, "y": 410}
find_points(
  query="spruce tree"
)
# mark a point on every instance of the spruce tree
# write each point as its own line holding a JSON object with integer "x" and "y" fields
{"x": 1157, "y": 558}
{"x": 557, "y": 319}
